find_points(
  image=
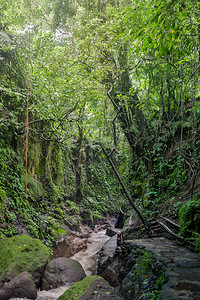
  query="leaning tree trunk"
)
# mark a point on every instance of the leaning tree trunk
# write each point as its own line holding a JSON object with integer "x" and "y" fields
{"x": 124, "y": 188}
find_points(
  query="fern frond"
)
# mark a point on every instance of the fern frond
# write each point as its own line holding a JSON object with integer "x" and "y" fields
{"x": 4, "y": 39}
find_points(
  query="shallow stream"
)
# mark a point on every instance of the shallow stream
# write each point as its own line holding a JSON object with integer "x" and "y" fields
{"x": 88, "y": 260}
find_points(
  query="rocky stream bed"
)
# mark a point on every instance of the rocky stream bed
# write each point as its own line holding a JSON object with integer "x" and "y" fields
{"x": 150, "y": 268}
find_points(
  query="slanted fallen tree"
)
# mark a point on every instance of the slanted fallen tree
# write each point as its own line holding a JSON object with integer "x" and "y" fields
{"x": 124, "y": 188}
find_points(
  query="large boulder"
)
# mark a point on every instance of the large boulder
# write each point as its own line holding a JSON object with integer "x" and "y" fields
{"x": 106, "y": 254}
{"x": 90, "y": 288}
{"x": 78, "y": 244}
{"x": 110, "y": 231}
{"x": 61, "y": 271}
{"x": 72, "y": 242}
{"x": 22, "y": 253}
{"x": 20, "y": 286}
{"x": 63, "y": 248}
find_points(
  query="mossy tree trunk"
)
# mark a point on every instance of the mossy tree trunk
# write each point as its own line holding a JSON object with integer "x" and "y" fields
{"x": 126, "y": 105}
{"x": 77, "y": 159}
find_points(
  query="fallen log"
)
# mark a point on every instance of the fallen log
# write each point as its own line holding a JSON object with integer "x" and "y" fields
{"x": 180, "y": 238}
{"x": 171, "y": 222}
{"x": 191, "y": 239}
{"x": 128, "y": 215}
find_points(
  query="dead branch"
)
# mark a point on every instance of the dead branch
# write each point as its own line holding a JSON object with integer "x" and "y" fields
{"x": 171, "y": 222}
{"x": 125, "y": 213}
{"x": 171, "y": 232}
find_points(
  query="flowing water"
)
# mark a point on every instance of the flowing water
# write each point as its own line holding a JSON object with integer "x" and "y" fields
{"x": 88, "y": 260}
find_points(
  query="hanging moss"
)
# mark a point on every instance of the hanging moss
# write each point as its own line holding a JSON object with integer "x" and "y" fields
{"x": 57, "y": 161}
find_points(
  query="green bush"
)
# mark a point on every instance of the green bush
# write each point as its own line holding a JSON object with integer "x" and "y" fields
{"x": 189, "y": 216}
{"x": 12, "y": 191}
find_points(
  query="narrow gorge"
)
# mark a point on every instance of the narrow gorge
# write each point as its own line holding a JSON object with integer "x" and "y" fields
{"x": 99, "y": 131}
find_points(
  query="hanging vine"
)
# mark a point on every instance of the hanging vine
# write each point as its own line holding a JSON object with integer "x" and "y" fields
{"x": 29, "y": 87}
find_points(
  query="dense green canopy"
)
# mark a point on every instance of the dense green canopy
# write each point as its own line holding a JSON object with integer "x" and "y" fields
{"x": 124, "y": 74}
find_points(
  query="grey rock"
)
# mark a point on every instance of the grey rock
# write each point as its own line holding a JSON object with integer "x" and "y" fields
{"x": 110, "y": 231}
{"x": 180, "y": 266}
{"x": 61, "y": 271}
{"x": 21, "y": 286}
{"x": 106, "y": 254}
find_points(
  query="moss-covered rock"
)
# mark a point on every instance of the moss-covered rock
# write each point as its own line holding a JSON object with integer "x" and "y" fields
{"x": 90, "y": 285}
{"x": 22, "y": 253}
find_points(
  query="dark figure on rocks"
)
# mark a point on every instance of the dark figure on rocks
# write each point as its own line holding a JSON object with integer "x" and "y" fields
{"x": 119, "y": 239}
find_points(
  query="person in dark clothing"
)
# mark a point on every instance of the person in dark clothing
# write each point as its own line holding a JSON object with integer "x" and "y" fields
{"x": 119, "y": 239}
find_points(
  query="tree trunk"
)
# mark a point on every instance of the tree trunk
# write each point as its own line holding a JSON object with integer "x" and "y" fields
{"x": 130, "y": 117}
{"x": 77, "y": 166}
{"x": 124, "y": 188}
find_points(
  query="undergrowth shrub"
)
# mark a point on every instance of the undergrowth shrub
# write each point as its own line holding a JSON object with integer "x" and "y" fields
{"x": 12, "y": 191}
{"x": 189, "y": 216}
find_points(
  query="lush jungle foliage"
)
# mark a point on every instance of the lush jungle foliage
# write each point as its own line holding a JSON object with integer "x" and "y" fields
{"x": 124, "y": 74}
